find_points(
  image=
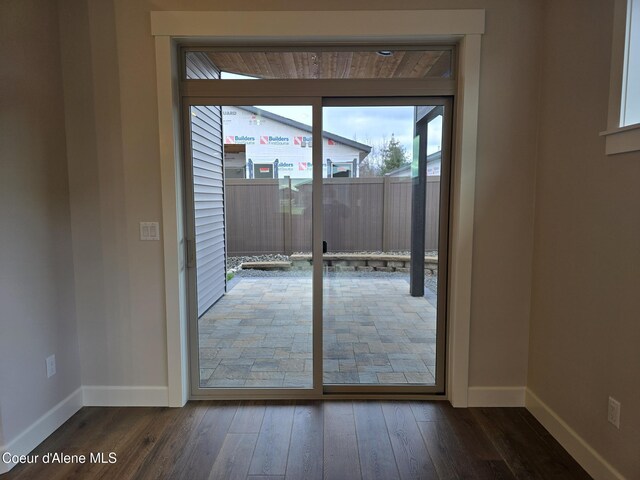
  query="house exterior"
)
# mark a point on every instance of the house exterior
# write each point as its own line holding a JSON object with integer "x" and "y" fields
{"x": 261, "y": 144}
{"x": 434, "y": 162}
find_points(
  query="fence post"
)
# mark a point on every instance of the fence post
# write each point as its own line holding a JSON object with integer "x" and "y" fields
{"x": 386, "y": 213}
{"x": 287, "y": 207}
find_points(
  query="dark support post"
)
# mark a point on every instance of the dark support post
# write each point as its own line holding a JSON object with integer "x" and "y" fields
{"x": 286, "y": 211}
{"x": 386, "y": 213}
{"x": 418, "y": 205}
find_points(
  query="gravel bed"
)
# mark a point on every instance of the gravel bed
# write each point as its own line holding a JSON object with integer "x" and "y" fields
{"x": 233, "y": 263}
{"x": 427, "y": 253}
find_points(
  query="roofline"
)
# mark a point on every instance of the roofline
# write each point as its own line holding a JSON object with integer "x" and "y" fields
{"x": 305, "y": 127}
{"x": 434, "y": 156}
{"x": 430, "y": 158}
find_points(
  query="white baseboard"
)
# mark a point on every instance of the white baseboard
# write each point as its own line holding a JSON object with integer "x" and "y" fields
{"x": 39, "y": 430}
{"x": 110, "y": 396}
{"x": 578, "y": 448}
{"x": 496, "y": 396}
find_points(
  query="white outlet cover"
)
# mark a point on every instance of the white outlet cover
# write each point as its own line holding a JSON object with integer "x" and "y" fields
{"x": 149, "y": 231}
{"x": 51, "y": 366}
{"x": 613, "y": 413}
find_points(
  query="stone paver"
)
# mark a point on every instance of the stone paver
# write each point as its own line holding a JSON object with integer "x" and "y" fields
{"x": 259, "y": 334}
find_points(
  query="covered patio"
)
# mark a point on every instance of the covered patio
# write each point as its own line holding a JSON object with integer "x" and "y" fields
{"x": 259, "y": 334}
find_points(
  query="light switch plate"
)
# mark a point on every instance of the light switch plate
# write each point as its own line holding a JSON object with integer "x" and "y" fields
{"x": 149, "y": 231}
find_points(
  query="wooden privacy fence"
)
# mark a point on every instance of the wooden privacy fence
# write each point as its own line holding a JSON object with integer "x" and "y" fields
{"x": 360, "y": 214}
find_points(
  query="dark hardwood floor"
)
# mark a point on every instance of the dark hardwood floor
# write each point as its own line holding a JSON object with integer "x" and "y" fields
{"x": 299, "y": 440}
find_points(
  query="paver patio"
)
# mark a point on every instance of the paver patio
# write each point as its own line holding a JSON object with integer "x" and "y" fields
{"x": 259, "y": 333}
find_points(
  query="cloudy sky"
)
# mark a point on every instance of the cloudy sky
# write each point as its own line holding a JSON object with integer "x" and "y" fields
{"x": 369, "y": 125}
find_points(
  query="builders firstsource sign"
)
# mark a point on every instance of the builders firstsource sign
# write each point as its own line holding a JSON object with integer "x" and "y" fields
{"x": 275, "y": 144}
{"x": 241, "y": 139}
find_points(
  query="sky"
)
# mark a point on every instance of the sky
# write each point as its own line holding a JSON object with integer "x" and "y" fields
{"x": 372, "y": 126}
{"x": 369, "y": 125}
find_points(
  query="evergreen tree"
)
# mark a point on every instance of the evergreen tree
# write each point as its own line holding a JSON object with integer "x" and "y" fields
{"x": 393, "y": 156}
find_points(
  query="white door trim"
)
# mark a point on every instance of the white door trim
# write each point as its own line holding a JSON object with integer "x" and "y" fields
{"x": 420, "y": 26}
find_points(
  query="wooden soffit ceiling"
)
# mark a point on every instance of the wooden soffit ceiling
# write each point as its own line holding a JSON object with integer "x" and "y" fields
{"x": 336, "y": 64}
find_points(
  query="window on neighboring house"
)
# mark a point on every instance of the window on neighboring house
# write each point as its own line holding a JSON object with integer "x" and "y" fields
{"x": 630, "y": 111}
{"x": 341, "y": 170}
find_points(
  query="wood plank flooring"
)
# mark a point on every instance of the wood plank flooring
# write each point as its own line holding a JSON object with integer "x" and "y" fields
{"x": 305, "y": 440}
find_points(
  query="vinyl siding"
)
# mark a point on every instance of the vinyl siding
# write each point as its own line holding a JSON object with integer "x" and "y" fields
{"x": 208, "y": 198}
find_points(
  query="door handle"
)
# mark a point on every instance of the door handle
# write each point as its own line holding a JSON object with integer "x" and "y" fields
{"x": 191, "y": 253}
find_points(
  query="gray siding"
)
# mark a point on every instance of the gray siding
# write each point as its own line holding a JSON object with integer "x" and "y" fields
{"x": 199, "y": 66}
{"x": 208, "y": 198}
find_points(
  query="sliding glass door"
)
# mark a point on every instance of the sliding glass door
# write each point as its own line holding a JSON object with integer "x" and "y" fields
{"x": 385, "y": 199}
{"x": 249, "y": 187}
{"x": 316, "y": 234}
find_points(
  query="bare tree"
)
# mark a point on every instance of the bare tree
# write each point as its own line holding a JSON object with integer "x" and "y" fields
{"x": 370, "y": 166}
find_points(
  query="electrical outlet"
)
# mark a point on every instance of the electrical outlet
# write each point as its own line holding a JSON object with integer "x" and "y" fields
{"x": 51, "y": 366}
{"x": 613, "y": 414}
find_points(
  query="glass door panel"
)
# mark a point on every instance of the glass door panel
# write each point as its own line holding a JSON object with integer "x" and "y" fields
{"x": 249, "y": 188}
{"x": 382, "y": 225}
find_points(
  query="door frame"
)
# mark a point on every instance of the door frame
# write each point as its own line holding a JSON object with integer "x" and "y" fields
{"x": 319, "y": 389}
{"x": 462, "y": 27}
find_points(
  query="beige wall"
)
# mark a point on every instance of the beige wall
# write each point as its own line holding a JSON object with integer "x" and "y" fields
{"x": 110, "y": 94}
{"x": 109, "y": 80}
{"x": 115, "y": 184}
{"x": 576, "y": 271}
{"x": 503, "y": 230}
{"x": 36, "y": 281}
{"x": 585, "y": 327}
